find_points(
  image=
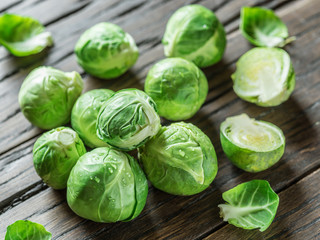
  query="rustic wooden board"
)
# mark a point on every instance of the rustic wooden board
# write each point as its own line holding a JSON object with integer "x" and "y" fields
{"x": 24, "y": 196}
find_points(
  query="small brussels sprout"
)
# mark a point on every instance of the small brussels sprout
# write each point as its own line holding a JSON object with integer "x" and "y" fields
{"x": 23, "y": 36}
{"x": 54, "y": 155}
{"x": 264, "y": 76}
{"x": 107, "y": 185}
{"x": 194, "y": 33}
{"x": 179, "y": 160}
{"x": 178, "y": 87}
{"x": 250, "y": 205}
{"x": 106, "y": 51}
{"x": 263, "y": 28}
{"x": 128, "y": 119}
{"x": 250, "y": 144}
{"x": 47, "y": 96}
{"x": 27, "y": 230}
{"x": 85, "y": 113}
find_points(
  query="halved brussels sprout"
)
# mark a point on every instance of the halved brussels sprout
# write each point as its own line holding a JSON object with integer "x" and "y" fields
{"x": 263, "y": 28}
{"x": 264, "y": 76}
{"x": 250, "y": 205}
{"x": 27, "y": 230}
{"x": 106, "y": 51}
{"x": 250, "y": 144}
{"x": 178, "y": 87}
{"x": 128, "y": 119}
{"x": 23, "y": 36}
{"x": 85, "y": 113}
{"x": 54, "y": 155}
{"x": 107, "y": 185}
{"x": 194, "y": 33}
{"x": 47, "y": 96}
{"x": 180, "y": 159}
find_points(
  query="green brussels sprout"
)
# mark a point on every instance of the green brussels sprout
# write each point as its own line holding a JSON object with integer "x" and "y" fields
{"x": 250, "y": 205}
{"x": 47, "y": 96}
{"x": 250, "y": 144}
{"x": 54, "y": 155}
{"x": 107, "y": 185}
{"x": 106, "y": 51}
{"x": 194, "y": 33}
{"x": 263, "y": 28}
{"x": 178, "y": 87}
{"x": 85, "y": 113}
{"x": 23, "y": 36}
{"x": 179, "y": 160}
{"x": 264, "y": 76}
{"x": 27, "y": 230}
{"x": 128, "y": 119}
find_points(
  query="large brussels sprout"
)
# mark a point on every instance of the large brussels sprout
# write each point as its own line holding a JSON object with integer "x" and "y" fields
{"x": 27, "y": 230}
{"x": 193, "y": 32}
{"x": 178, "y": 87}
{"x": 85, "y": 113}
{"x": 250, "y": 205}
{"x": 107, "y": 185}
{"x": 264, "y": 76}
{"x": 106, "y": 51}
{"x": 180, "y": 159}
{"x": 23, "y": 36}
{"x": 47, "y": 96}
{"x": 54, "y": 155}
{"x": 128, "y": 119}
{"x": 250, "y": 144}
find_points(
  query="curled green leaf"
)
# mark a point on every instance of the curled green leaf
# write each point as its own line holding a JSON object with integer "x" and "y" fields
{"x": 27, "y": 230}
{"x": 263, "y": 28}
{"x": 250, "y": 205}
{"x": 23, "y": 36}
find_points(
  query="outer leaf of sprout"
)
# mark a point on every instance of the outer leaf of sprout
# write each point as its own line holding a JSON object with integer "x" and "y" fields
{"x": 250, "y": 205}
{"x": 24, "y": 229}
{"x": 23, "y": 36}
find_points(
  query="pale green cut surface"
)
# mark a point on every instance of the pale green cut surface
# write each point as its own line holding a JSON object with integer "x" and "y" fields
{"x": 262, "y": 73}
{"x": 251, "y": 134}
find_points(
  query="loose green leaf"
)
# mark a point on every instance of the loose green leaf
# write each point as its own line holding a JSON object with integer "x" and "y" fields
{"x": 27, "y": 230}
{"x": 23, "y": 36}
{"x": 250, "y": 205}
{"x": 263, "y": 28}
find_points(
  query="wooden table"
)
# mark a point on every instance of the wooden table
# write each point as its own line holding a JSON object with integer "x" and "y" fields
{"x": 296, "y": 178}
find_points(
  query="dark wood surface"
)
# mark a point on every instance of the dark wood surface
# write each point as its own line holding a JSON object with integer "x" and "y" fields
{"x": 295, "y": 178}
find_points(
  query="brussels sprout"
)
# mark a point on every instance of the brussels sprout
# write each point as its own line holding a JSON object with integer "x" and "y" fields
{"x": 106, "y": 51}
{"x": 194, "y": 33}
{"x": 54, "y": 155}
{"x": 178, "y": 87}
{"x": 84, "y": 116}
{"x": 27, "y": 230}
{"x": 264, "y": 76}
{"x": 250, "y": 205}
{"x": 128, "y": 119}
{"x": 47, "y": 96}
{"x": 23, "y": 36}
{"x": 250, "y": 144}
{"x": 263, "y": 28}
{"x": 179, "y": 160}
{"x": 107, "y": 185}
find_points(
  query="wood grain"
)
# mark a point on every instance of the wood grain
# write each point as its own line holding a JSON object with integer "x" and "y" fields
{"x": 24, "y": 196}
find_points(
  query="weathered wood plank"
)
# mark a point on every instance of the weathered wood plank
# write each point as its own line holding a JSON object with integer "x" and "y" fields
{"x": 298, "y": 215}
{"x": 134, "y": 22}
